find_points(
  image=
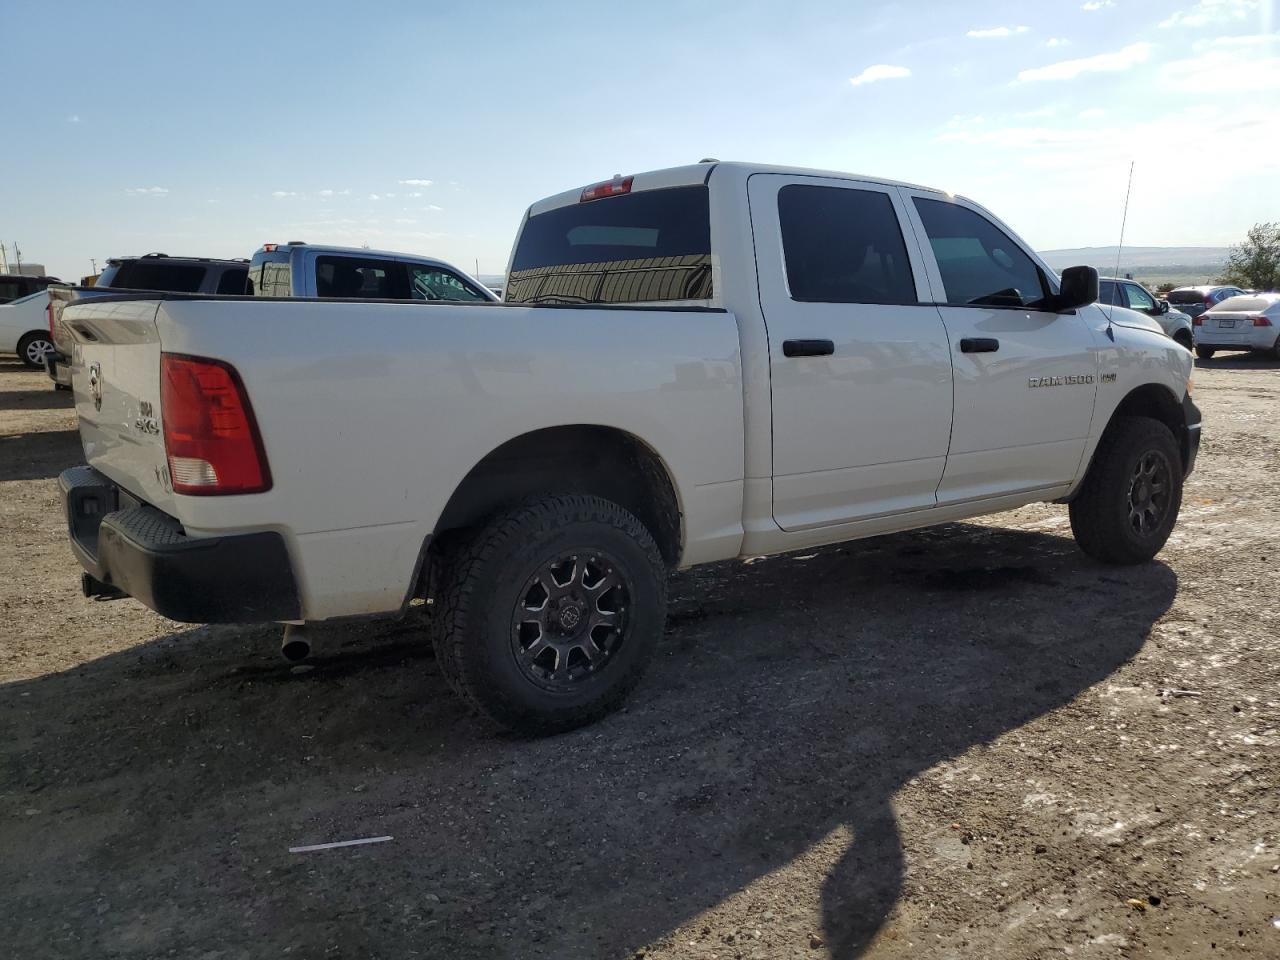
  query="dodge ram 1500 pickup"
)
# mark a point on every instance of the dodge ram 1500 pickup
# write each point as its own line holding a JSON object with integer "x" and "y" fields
{"x": 691, "y": 365}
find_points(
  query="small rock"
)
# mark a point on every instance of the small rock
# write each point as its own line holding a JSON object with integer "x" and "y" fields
{"x": 815, "y": 941}
{"x": 1041, "y": 848}
{"x": 301, "y": 669}
{"x": 642, "y": 795}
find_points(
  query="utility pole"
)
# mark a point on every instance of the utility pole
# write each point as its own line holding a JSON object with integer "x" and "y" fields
{"x": 95, "y": 266}
{"x": 4, "y": 258}
{"x": 17, "y": 255}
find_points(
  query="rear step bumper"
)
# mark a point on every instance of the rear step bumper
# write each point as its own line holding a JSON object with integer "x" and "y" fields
{"x": 129, "y": 547}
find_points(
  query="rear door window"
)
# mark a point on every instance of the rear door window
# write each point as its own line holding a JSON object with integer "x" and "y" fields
{"x": 843, "y": 246}
{"x": 643, "y": 247}
{"x": 980, "y": 264}
{"x": 1109, "y": 293}
{"x": 361, "y": 278}
{"x": 168, "y": 277}
{"x": 233, "y": 281}
{"x": 11, "y": 289}
{"x": 436, "y": 283}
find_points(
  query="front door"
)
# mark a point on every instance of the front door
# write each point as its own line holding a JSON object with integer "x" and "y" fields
{"x": 1025, "y": 376}
{"x": 859, "y": 361}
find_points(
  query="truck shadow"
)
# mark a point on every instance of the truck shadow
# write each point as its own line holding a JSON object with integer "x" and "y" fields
{"x": 38, "y": 455}
{"x": 156, "y": 791}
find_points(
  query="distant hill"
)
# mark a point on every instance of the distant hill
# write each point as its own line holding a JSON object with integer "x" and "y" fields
{"x": 1153, "y": 265}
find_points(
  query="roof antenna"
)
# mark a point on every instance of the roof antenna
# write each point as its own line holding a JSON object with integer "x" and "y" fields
{"x": 1123, "y": 221}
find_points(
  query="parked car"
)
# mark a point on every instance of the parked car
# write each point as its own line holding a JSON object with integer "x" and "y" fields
{"x": 707, "y": 362}
{"x": 1122, "y": 292}
{"x": 15, "y": 286}
{"x": 1248, "y": 322}
{"x": 1196, "y": 300}
{"x": 154, "y": 271}
{"x": 24, "y": 328}
{"x": 308, "y": 270}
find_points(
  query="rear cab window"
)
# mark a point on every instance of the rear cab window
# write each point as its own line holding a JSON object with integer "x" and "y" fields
{"x": 270, "y": 274}
{"x": 979, "y": 263}
{"x": 649, "y": 246}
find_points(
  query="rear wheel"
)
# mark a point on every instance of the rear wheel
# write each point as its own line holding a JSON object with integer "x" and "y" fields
{"x": 1130, "y": 499}
{"x": 1205, "y": 353}
{"x": 1275, "y": 349}
{"x": 548, "y": 614}
{"x": 33, "y": 348}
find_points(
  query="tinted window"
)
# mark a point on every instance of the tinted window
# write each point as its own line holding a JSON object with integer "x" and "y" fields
{"x": 980, "y": 265}
{"x": 361, "y": 279}
{"x": 1139, "y": 299}
{"x": 233, "y": 281}
{"x": 652, "y": 245}
{"x": 1186, "y": 296}
{"x": 11, "y": 289}
{"x": 169, "y": 277}
{"x": 843, "y": 246}
{"x": 1109, "y": 293}
{"x": 433, "y": 283}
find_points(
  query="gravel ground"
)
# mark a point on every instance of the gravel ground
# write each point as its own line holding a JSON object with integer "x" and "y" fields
{"x": 963, "y": 742}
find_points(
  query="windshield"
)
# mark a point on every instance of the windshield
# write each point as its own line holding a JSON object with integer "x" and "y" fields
{"x": 1186, "y": 296}
{"x": 643, "y": 247}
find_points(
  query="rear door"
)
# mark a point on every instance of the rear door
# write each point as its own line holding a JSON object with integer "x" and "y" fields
{"x": 1025, "y": 377}
{"x": 859, "y": 361}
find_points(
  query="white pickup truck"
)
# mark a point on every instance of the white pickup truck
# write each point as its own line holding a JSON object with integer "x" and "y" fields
{"x": 695, "y": 364}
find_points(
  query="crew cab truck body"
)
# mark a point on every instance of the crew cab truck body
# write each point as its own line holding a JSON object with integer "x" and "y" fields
{"x": 691, "y": 365}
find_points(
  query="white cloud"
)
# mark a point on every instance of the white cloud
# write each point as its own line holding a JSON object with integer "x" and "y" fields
{"x": 1222, "y": 71}
{"x": 1256, "y": 40}
{"x": 404, "y": 220}
{"x": 881, "y": 71}
{"x": 281, "y": 194}
{"x": 996, "y": 32}
{"x": 416, "y": 182}
{"x": 415, "y": 193}
{"x": 1122, "y": 59}
{"x": 374, "y": 196}
{"x": 146, "y": 191}
{"x": 433, "y": 208}
{"x": 74, "y": 118}
{"x": 1092, "y": 113}
{"x": 326, "y": 193}
{"x": 1093, "y": 5}
{"x": 1057, "y": 42}
{"x": 1210, "y": 11}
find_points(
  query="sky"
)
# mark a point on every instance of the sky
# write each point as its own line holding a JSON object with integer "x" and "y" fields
{"x": 207, "y": 130}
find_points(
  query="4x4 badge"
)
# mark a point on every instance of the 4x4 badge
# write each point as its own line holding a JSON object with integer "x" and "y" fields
{"x": 95, "y": 384}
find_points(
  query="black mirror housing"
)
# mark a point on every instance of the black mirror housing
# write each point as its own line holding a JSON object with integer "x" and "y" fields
{"x": 1162, "y": 307}
{"x": 1079, "y": 288}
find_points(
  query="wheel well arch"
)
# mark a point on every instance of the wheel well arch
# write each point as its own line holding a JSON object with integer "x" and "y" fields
{"x": 577, "y": 458}
{"x": 1158, "y": 402}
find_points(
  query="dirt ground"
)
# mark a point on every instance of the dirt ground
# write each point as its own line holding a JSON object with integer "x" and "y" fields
{"x": 965, "y": 742}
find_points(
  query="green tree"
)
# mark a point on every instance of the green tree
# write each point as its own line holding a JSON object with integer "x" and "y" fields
{"x": 1165, "y": 288}
{"x": 1255, "y": 263}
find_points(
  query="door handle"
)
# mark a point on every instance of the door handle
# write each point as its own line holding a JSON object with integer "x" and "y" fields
{"x": 808, "y": 348}
{"x": 979, "y": 345}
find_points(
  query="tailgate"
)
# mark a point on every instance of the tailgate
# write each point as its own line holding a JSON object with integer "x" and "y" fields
{"x": 115, "y": 361}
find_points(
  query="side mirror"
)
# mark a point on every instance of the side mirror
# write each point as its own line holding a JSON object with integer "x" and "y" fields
{"x": 1162, "y": 307}
{"x": 1079, "y": 288}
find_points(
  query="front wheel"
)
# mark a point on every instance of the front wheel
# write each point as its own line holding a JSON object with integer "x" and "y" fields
{"x": 550, "y": 612}
{"x": 33, "y": 348}
{"x": 1130, "y": 499}
{"x": 1205, "y": 353}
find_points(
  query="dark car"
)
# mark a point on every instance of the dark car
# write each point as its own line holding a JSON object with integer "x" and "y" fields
{"x": 155, "y": 271}
{"x": 1194, "y": 301}
{"x": 14, "y": 286}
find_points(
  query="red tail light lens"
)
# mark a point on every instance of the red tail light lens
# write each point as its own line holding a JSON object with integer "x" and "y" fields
{"x": 610, "y": 188}
{"x": 1260, "y": 321}
{"x": 1198, "y": 320}
{"x": 210, "y": 435}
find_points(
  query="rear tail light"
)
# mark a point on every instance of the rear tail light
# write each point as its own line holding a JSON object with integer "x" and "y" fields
{"x": 48, "y": 312}
{"x": 1198, "y": 320}
{"x": 210, "y": 436}
{"x": 610, "y": 188}
{"x": 1260, "y": 321}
